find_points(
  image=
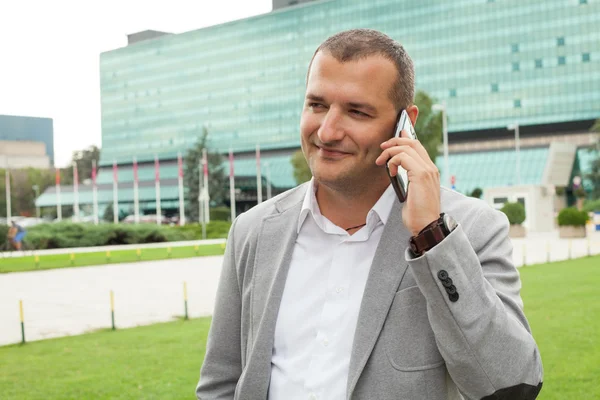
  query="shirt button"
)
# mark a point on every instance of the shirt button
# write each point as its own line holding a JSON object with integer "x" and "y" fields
{"x": 325, "y": 342}
{"x": 339, "y": 290}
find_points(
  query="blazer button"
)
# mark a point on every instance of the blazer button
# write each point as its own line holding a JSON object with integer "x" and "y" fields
{"x": 442, "y": 275}
{"x": 453, "y": 297}
{"x": 451, "y": 289}
{"x": 447, "y": 283}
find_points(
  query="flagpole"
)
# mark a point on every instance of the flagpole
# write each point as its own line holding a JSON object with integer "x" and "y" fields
{"x": 231, "y": 186}
{"x": 58, "y": 204}
{"x": 181, "y": 199}
{"x": 268, "y": 168}
{"x": 75, "y": 192}
{"x": 206, "y": 194}
{"x": 258, "y": 177}
{"x": 8, "y": 203}
{"x": 94, "y": 192}
{"x": 115, "y": 194}
{"x": 136, "y": 198}
{"x": 201, "y": 199}
{"x": 157, "y": 187}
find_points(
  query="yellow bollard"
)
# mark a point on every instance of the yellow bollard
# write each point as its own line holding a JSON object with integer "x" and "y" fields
{"x": 37, "y": 261}
{"x": 139, "y": 254}
{"x": 196, "y": 249}
{"x": 22, "y": 321}
{"x": 223, "y": 246}
{"x": 112, "y": 309}
{"x": 107, "y": 256}
{"x": 168, "y": 252}
{"x": 185, "y": 299}
{"x": 72, "y": 258}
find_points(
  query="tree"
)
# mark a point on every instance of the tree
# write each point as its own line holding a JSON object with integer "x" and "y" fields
{"x": 429, "y": 124}
{"x": 594, "y": 175}
{"x": 217, "y": 180}
{"x": 477, "y": 192}
{"x": 428, "y": 129}
{"x": 301, "y": 169}
{"x": 22, "y": 193}
{"x": 84, "y": 159}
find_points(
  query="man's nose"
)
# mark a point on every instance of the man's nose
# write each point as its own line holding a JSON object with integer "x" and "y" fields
{"x": 331, "y": 129}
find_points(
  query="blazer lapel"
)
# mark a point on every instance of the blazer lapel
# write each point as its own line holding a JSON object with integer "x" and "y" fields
{"x": 388, "y": 268}
{"x": 274, "y": 253}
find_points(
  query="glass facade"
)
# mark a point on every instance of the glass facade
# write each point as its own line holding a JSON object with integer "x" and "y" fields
{"x": 492, "y": 62}
{"x": 29, "y": 128}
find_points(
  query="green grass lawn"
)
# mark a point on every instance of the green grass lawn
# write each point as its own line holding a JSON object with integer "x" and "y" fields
{"x": 20, "y": 264}
{"x": 562, "y": 303}
{"x": 162, "y": 361}
{"x": 153, "y": 362}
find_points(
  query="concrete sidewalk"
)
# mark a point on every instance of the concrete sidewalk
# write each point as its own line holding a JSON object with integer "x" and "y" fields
{"x": 72, "y": 301}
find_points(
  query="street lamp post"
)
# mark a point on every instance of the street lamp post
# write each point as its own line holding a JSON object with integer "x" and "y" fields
{"x": 442, "y": 108}
{"x": 515, "y": 127}
{"x": 36, "y": 188}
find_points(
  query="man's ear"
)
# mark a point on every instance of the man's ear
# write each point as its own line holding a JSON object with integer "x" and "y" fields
{"x": 413, "y": 113}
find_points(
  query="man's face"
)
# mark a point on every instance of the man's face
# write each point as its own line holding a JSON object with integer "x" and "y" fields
{"x": 347, "y": 114}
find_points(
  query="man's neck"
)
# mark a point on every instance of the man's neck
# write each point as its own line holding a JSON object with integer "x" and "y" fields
{"x": 347, "y": 209}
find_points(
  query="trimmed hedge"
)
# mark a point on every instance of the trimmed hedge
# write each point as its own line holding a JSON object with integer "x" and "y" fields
{"x": 67, "y": 234}
{"x": 572, "y": 217}
{"x": 515, "y": 212}
{"x": 591, "y": 205}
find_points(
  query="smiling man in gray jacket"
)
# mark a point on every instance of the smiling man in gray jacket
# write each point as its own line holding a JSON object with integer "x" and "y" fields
{"x": 337, "y": 290}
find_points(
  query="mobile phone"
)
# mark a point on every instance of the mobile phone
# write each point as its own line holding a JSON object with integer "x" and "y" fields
{"x": 400, "y": 181}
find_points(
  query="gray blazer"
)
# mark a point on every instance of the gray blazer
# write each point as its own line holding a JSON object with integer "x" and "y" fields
{"x": 412, "y": 341}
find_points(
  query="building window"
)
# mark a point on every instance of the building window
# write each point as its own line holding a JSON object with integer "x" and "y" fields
{"x": 452, "y": 92}
{"x": 562, "y": 60}
{"x": 560, "y": 41}
{"x": 514, "y": 47}
{"x": 517, "y": 103}
{"x": 515, "y": 66}
{"x": 538, "y": 63}
{"x": 585, "y": 57}
{"x": 494, "y": 88}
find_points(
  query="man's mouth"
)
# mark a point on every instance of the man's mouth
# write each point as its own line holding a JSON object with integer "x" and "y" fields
{"x": 331, "y": 153}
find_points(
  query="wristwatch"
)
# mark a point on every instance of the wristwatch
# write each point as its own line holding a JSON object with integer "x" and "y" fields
{"x": 432, "y": 234}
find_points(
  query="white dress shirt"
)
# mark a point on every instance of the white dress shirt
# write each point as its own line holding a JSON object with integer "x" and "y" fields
{"x": 321, "y": 301}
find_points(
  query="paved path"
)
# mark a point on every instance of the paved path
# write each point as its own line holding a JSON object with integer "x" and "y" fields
{"x": 72, "y": 301}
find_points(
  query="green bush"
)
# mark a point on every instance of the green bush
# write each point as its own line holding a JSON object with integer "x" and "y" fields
{"x": 477, "y": 192}
{"x": 214, "y": 230}
{"x": 572, "y": 217}
{"x": 66, "y": 234}
{"x": 515, "y": 213}
{"x": 3, "y": 233}
{"x": 588, "y": 206}
{"x": 220, "y": 214}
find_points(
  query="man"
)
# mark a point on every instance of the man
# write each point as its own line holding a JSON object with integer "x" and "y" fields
{"x": 16, "y": 233}
{"x": 321, "y": 296}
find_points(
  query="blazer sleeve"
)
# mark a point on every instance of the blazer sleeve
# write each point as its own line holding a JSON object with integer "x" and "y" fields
{"x": 222, "y": 364}
{"x": 474, "y": 307}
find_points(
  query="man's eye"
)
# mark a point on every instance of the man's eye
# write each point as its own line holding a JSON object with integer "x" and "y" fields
{"x": 358, "y": 113}
{"x": 315, "y": 105}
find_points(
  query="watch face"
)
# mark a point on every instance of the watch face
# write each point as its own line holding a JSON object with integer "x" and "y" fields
{"x": 449, "y": 223}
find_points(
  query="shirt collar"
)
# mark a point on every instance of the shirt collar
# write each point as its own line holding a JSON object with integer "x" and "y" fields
{"x": 380, "y": 210}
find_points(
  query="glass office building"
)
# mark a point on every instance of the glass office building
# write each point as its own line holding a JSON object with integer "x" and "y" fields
{"x": 493, "y": 63}
{"x": 35, "y": 129}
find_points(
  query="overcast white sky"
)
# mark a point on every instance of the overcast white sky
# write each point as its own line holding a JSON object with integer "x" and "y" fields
{"x": 49, "y": 54}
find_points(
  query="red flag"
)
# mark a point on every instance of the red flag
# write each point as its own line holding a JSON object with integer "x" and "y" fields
{"x": 205, "y": 162}
{"x": 231, "y": 163}
{"x": 94, "y": 172}
{"x": 115, "y": 170}
{"x": 75, "y": 174}
{"x": 57, "y": 178}
{"x": 180, "y": 165}
{"x": 135, "y": 170}
{"x": 156, "y": 170}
